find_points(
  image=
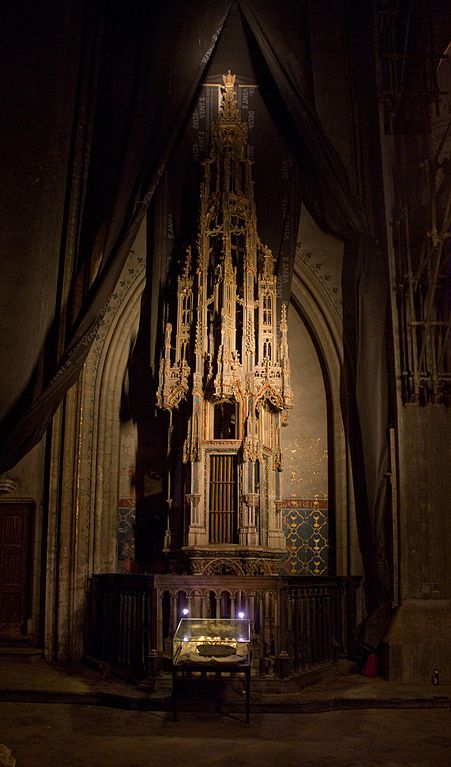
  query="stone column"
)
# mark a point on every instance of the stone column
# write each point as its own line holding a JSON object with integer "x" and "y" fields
{"x": 196, "y": 531}
{"x": 248, "y": 530}
{"x": 419, "y": 638}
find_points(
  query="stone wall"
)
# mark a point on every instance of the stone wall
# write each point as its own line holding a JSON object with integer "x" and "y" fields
{"x": 305, "y": 435}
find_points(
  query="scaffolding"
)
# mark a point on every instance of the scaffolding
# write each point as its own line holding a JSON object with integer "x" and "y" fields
{"x": 424, "y": 295}
{"x": 411, "y": 105}
{"x": 408, "y": 64}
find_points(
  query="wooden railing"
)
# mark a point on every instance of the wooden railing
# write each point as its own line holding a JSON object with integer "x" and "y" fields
{"x": 320, "y": 619}
{"x": 309, "y": 620}
{"x": 122, "y": 621}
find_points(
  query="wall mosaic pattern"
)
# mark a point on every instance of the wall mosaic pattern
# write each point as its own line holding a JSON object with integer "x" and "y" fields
{"x": 305, "y": 464}
{"x": 126, "y": 517}
{"x": 305, "y": 524}
{"x": 306, "y": 527}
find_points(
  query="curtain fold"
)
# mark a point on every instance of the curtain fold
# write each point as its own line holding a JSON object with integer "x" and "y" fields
{"x": 327, "y": 193}
{"x": 153, "y": 60}
{"x": 326, "y": 189}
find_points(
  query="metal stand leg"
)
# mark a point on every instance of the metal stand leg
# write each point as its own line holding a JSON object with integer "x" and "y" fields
{"x": 174, "y": 695}
{"x": 248, "y": 695}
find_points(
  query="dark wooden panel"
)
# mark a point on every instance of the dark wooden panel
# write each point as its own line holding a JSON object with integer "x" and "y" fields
{"x": 16, "y": 519}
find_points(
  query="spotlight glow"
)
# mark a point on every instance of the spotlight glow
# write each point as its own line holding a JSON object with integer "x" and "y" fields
{"x": 240, "y": 615}
{"x": 185, "y": 611}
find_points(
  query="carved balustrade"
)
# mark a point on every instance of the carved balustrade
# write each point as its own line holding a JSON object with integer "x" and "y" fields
{"x": 132, "y": 617}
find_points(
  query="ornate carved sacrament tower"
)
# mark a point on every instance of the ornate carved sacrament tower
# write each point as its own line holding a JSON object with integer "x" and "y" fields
{"x": 225, "y": 377}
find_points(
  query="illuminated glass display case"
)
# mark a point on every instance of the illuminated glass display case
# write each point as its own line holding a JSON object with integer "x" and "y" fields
{"x": 212, "y": 642}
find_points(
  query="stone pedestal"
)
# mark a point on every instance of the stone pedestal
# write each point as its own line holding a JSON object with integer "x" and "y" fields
{"x": 419, "y": 641}
{"x": 419, "y": 638}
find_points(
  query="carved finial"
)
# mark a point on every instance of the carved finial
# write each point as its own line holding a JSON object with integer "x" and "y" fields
{"x": 229, "y": 104}
{"x": 229, "y": 81}
{"x": 268, "y": 262}
{"x": 187, "y": 268}
{"x": 283, "y": 318}
{"x": 167, "y": 335}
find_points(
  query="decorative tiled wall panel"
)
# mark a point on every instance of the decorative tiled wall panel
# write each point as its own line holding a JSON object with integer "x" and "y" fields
{"x": 305, "y": 524}
{"x": 126, "y": 515}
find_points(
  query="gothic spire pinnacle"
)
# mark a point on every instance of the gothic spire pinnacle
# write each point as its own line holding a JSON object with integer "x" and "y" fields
{"x": 229, "y": 104}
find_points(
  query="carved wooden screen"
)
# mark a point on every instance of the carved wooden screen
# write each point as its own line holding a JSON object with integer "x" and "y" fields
{"x": 223, "y": 499}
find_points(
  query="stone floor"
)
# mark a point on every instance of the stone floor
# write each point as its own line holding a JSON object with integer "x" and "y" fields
{"x": 52, "y": 716}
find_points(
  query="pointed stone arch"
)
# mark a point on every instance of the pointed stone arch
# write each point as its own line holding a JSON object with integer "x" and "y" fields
{"x": 322, "y": 319}
{"x": 103, "y": 377}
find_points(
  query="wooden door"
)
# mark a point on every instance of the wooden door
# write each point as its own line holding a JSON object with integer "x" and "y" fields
{"x": 16, "y": 519}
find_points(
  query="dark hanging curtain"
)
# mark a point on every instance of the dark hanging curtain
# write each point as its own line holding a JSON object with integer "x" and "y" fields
{"x": 327, "y": 193}
{"x": 154, "y": 57}
{"x": 151, "y": 57}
